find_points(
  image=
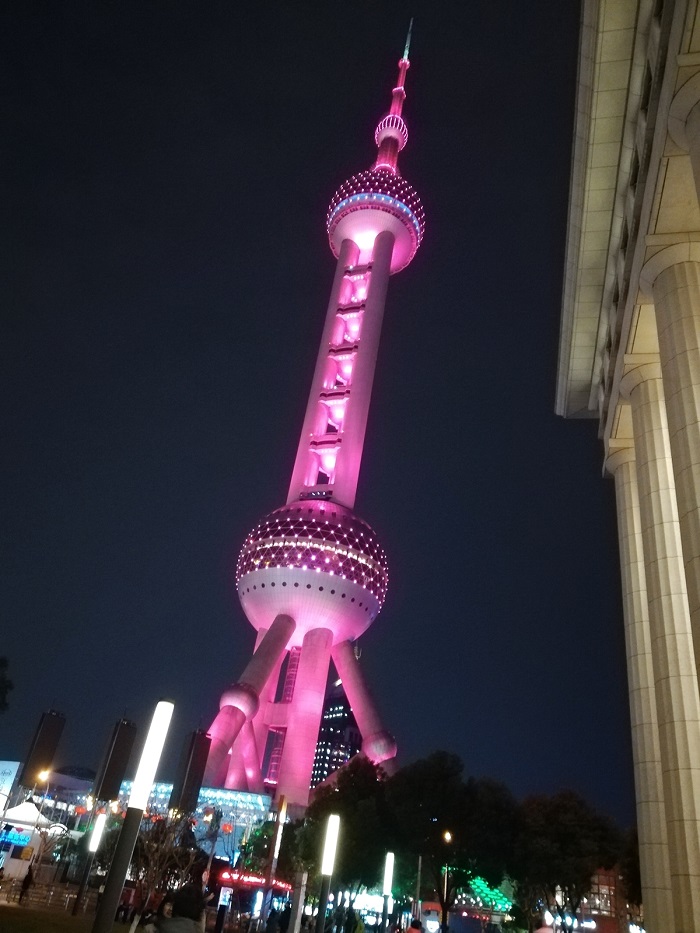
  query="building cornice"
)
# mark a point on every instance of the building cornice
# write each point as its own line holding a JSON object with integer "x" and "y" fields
{"x": 608, "y": 67}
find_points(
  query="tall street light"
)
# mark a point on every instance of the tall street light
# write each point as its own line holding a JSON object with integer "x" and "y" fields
{"x": 138, "y": 800}
{"x": 43, "y": 776}
{"x": 386, "y": 888}
{"x": 447, "y": 837}
{"x": 94, "y": 844}
{"x": 327, "y": 864}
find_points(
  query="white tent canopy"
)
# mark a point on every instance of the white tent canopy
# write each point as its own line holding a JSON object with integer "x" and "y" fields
{"x": 26, "y": 814}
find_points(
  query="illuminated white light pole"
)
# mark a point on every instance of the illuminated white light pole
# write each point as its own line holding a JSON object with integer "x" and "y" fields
{"x": 386, "y": 887}
{"x": 138, "y": 800}
{"x": 93, "y": 845}
{"x": 272, "y": 863}
{"x": 327, "y": 863}
{"x": 97, "y": 830}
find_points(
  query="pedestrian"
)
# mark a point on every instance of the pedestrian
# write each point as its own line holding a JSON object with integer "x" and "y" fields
{"x": 27, "y": 882}
{"x": 187, "y": 913}
{"x": 165, "y": 910}
{"x": 285, "y": 917}
{"x": 272, "y": 925}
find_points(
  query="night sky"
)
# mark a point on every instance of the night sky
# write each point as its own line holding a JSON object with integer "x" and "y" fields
{"x": 166, "y": 172}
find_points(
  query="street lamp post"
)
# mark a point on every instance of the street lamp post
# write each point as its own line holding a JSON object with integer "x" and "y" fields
{"x": 327, "y": 864}
{"x": 93, "y": 845}
{"x": 447, "y": 836}
{"x": 386, "y": 888}
{"x": 44, "y": 778}
{"x": 138, "y": 800}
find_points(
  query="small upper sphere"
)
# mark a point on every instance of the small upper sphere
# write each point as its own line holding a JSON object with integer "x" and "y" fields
{"x": 371, "y": 202}
{"x": 317, "y": 562}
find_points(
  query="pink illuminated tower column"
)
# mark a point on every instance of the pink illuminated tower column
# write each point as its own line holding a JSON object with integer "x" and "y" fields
{"x": 312, "y": 576}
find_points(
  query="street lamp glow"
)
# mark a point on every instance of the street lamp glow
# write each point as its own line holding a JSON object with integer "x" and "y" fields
{"x": 97, "y": 831}
{"x": 447, "y": 836}
{"x": 44, "y": 775}
{"x": 388, "y": 874}
{"x": 330, "y": 845}
{"x": 150, "y": 756}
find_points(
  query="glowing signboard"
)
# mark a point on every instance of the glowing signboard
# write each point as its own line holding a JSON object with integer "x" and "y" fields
{"x": 14, "y": 837}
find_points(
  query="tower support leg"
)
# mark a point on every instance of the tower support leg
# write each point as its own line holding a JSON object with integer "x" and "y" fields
{"x": 378, "y": 744}
{"x": 240, "y": 701}
{"x": 251, "y": 759}
{"x": 306, "y": 708}
{"x": 240, "y": 763}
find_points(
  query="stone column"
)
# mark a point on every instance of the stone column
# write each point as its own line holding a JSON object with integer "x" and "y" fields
{"x": 648, "y": 779}
{"x": 675, "y": 674}
{"x": 672, "y": 276}
{"x": 684, "y": 123}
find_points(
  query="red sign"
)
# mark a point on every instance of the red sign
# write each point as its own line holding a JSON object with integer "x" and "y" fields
{"x": 239, "y": 877}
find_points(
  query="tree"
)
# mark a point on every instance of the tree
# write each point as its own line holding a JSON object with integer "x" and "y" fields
{"x": 165, "y": 855}
{"x": 256, "y": 855}
{"x": 561, "y": 842}
{"x": 6, "y": 685}
{"x": 460, "y": 829}
{"x": 358, "y": 798}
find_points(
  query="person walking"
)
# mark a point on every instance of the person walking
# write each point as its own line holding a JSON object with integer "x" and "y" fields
{"x": 27, "y": 882}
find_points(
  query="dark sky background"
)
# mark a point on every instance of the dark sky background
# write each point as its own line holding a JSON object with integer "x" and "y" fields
{"x": 167, "y": 170}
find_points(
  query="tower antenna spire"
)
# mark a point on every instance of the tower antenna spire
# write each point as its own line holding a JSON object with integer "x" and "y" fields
{"x": 391, "y": 134}
{"x": 408, "y": 40}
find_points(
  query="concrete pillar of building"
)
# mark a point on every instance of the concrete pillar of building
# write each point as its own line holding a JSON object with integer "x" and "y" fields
{"x": 240, "y": 701}
{"x": 675, "y": 674}
{"x": 684, "y": 123}
{"x": 648, "y": 778}
{"x": 672, "y": 277}
{"x": 348, "y": 255}
{"x": 378, "y": 744}
{"x": 305, "y": 712}
{"x": 347, "y": 468}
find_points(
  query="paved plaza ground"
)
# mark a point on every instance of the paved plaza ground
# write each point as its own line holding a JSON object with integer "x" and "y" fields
{"x": 16, "y": 918}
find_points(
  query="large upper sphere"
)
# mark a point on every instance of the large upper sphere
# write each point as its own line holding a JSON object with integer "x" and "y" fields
{"x": 371, "y": 202}
{"x": 317, "y": 562}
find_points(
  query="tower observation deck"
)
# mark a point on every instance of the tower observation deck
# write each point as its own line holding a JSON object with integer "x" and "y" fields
{"x": 312, "y": 576}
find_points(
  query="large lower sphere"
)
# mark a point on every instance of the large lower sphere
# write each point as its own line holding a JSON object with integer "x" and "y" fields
{"x": 317, "y": 562}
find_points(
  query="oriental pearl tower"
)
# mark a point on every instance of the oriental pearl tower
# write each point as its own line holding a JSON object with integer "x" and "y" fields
{"x": 312, "y": 576}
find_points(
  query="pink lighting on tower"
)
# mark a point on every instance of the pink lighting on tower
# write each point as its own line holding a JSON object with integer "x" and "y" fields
{"x": 311, "y": 576}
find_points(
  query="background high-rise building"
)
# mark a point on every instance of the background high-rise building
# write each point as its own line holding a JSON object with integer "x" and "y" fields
{"x": 339, "y": 738}
{"x": 630, "y": 357}
{"x": 312, "y": 576}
